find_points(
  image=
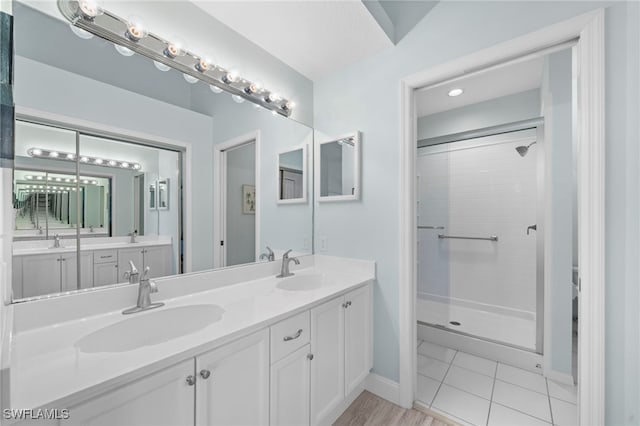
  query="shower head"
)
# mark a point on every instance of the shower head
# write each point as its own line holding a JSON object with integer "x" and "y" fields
{"x": 522, "y": 150}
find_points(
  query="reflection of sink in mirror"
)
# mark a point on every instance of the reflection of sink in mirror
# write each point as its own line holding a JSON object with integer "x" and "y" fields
{"x": 150, "y": 329}
{"x": 302, "y": 282}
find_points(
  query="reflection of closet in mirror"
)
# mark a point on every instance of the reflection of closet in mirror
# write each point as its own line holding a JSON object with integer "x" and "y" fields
{"x": 292, "y": 176}
{"x": 338, "y": 168}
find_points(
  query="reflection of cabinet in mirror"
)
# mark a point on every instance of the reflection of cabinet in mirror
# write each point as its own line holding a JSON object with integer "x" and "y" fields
{"x": 292, "y": 176}
{"x": 337, "y": 168}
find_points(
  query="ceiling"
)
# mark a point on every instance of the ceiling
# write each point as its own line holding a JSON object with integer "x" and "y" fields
{"x": 482, "y": 86}
{"x": 316, "y": 38}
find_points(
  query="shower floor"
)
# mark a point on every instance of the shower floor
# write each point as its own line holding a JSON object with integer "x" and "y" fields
{"x": 500, "y": 327}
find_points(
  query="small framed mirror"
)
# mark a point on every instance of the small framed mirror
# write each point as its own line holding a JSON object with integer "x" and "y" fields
{"x": 163, "y": 194}
{"x": 337, "y": 168}
{"x": 292, "y": 176}
{"x": 152, "y": 196}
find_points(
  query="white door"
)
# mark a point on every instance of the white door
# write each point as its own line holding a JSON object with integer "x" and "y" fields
{"x": 105, "y": 274}
{"x": 164, "y": 398}
{"x": 69, "y": 265}
{"x": 40, "y": 274}
{"x": 233, "y": 383}
{"x": 126, "y": 255}
{"x": 357, "y": 337}
{"x": 290, "y": 389}
{"x": 158, "y": 259}
{"x": 327, "y": 367}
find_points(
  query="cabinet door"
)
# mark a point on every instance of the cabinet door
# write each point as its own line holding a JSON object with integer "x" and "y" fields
{"x": 126, "y": 255}
{"x": 163, "y": 398}
{"x": 40, "y": 274}
{"x": 357, "y": 337}
{"x": 327, "y": 367}
{"x": 69, "y": 267}
{"x": 159, "y": 260}
{"x": 16, "y": 279}
{"x": 236, "y": 391}
{"x": 105, "y": 274}
{"x": 290, "y": 389}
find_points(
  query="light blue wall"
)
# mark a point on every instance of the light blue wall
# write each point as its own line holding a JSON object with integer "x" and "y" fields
{"x": 365, "y": 96}
{"x": 507, "y": 109}
{"x": 241, "y": 227}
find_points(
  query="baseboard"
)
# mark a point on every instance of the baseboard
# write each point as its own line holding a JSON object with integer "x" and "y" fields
{"x": 563, "y": 378}
{"x": 383, "y": 387}
{"x": 330, "y": 418}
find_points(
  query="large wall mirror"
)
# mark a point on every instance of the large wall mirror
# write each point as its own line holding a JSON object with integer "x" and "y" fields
{"x": 117, "y": 160}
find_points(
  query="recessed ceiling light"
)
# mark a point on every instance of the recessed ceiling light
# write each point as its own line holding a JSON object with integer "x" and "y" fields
{"x": 455, "y": 92}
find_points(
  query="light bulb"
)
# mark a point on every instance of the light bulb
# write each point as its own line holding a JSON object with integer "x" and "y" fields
{"x": 124, "y": 164}
{"x": 67, "y": 180}
{"x": 135, "y": 29}
{"x": 70, "y": 156}
{"x": 189, "y": 78}
{"x": 237, "y": 99}
{"x": 215, "y": 89}
{"x": 124, "y": 51}
{"x": 230, "y": 77}
{"x": 288, "y": 106}
{"x": 94, "y": 182}
{"x": 455, "y": 92}
{"x": 85, "y": 182}
{"x": 58, "y": 179}
{"x": 174, "y": 48}
{"x": 89, "y": 9}
{"x": 84, "y": 159}
{"x": 28, "y": 177}
{"x": 36, "y": 152}
{"x": 53, "y": 154}
{"x": 252, "y": 88}
{"x": 136, "y": 166}
{"x": 98, "y": 161}
{"x": 39, "y": 177}
{"x": 112, "y": 163}
{"x": 272, "y": 97}
{"x": 160, "y": 66}
{"x": 203, "y": 65}
{"x": 83, "y": 34}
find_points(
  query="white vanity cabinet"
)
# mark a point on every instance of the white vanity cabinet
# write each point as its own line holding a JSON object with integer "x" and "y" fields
{"x": 341, "y": 348}
{"x": 233, "y": 383}
{"x": 105, "y": 267}
{"x": 162, "y": 398}
{"x": 157, "y": 258}
{"x": 226, "y": 386}
{"x": 52, "y": 273}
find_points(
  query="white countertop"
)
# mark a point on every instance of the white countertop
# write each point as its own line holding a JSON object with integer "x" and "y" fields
{"x": 28, "y": 248}
{"x": 47, "y": 370}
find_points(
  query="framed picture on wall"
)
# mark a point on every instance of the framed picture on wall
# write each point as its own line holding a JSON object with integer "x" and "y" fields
{"x": 248, "y": 199}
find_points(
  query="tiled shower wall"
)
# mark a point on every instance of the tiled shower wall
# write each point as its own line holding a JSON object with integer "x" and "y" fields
{"x": 479, "y": 188}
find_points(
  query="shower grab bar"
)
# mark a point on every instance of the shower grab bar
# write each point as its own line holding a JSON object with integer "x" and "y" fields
{"x": 430, "y": 227}
{"x": 491, "y": 238}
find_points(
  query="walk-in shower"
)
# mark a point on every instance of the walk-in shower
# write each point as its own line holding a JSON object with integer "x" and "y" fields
{"x": 479, "y": 254}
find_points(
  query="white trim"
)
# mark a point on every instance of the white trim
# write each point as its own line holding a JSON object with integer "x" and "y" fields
{"x": 305, "y": 175}
{"x": 589, "y": 28}
{"x": 356, "y": 169}
{"x": 219, "y": 183}
{"x": 559, "y": 377}
{"x": 126, "y": 134}
{"x": 383, "y": 387}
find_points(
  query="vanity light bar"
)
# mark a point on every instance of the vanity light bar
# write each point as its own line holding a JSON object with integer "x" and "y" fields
{"x": 87, "y": 15}
{"x": 85, "y": 159}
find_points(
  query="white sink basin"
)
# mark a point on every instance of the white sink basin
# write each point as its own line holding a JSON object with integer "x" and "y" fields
{"x": 150, "y": 328}
{"x": 302, "y": 282}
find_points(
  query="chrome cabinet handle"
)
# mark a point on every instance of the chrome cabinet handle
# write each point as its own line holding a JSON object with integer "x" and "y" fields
{"x": 346, "y": 304}
{"x": 191, "y": 380}
{"x": 310, "y": 357}
{"x": 295, "y": 336}
{"x": 205, "y": 374}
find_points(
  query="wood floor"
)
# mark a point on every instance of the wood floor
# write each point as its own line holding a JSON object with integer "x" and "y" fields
{"x": 369, "y": 409}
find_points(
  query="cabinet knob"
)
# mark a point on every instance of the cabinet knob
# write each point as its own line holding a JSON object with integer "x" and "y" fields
{"x": 348, "y": 303}
{"x": 191, "y": 380}
{"x": 205, "y": 374}
{"x": 310, "y": 357}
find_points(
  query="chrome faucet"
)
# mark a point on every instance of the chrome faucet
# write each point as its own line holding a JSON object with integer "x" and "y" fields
{"x": 56, "y": 241}
{"x": 145, "y": 288}
{"x": 532, "y": 227}
{"x": 284, "y": 272}
{"x": 270, "y": 256}
{"x": 133, "y": 235}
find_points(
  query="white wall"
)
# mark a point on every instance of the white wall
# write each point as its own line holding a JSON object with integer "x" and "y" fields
{"x": 507, "y": 109}
{"x": 365, "y": 96}
{"x": 479, "y": 188}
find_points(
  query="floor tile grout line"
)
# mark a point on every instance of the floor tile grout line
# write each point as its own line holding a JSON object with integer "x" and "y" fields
{"x": 526, "y": 388}
{"x": 442, "y": 381}
{"x": 493, "y": 388}
{"x": 520, "y": 411}
{"x": 549, "y": 399}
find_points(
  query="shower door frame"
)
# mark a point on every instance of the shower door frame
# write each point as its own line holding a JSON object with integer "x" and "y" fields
{"x": 589, "y": 58}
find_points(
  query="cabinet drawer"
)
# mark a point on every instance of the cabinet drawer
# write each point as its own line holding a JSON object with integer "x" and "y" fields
{"x": 289, "y": 335}
{"x": 105, "y": 256}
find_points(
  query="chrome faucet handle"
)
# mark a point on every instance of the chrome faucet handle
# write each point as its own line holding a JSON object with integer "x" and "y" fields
{"x": 286, "y": 254}
{"x": 153, "y": 287}
{"x": 145, "y": 274}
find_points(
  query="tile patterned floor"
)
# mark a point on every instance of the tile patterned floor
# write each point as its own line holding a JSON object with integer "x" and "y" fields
{"x": 476, "y": 391}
